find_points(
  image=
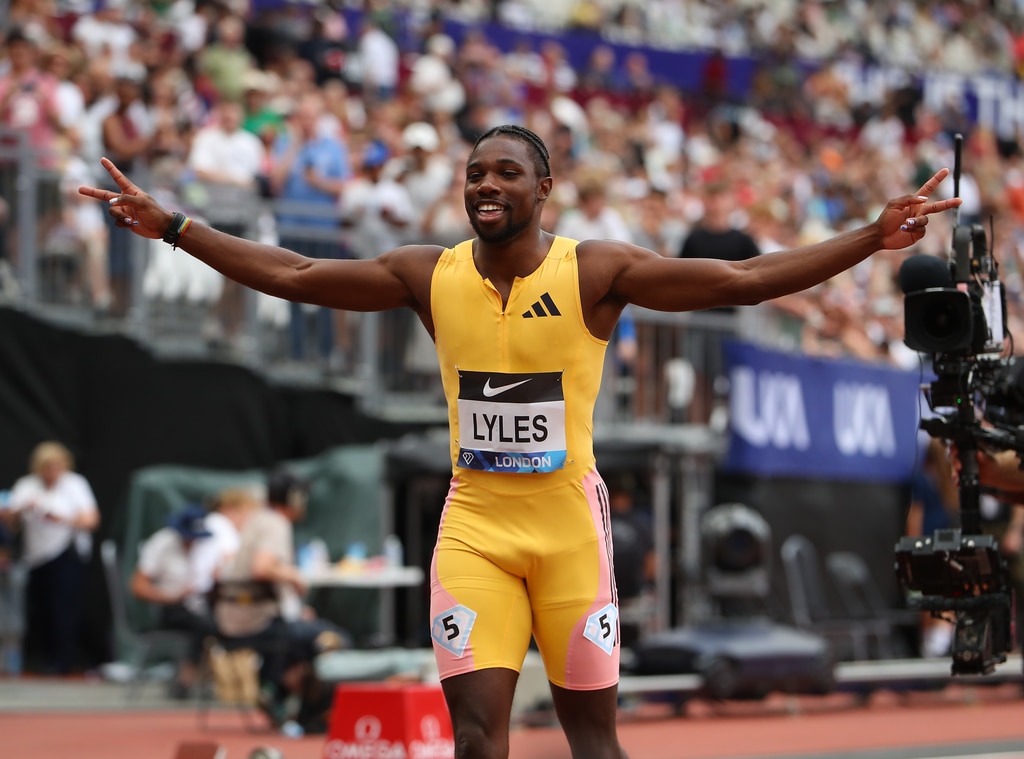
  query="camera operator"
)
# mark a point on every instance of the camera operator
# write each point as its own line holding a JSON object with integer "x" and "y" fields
{"x": 1001, "y": 471}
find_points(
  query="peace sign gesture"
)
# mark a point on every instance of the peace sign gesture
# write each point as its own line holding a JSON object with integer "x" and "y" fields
{"x": 131, "y": 208}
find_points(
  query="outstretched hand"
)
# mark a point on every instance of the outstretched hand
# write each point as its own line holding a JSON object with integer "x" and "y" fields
{"x": 903, "y": 220}
{"x": 131, "y": 208}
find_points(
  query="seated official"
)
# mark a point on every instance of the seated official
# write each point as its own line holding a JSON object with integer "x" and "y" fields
{"x": 176, "y": 570}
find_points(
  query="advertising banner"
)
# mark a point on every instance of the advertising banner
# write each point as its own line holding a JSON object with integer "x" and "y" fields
{"x": 798, "y": 416}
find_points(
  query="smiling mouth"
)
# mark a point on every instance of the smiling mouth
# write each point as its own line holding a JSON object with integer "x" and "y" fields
{"x": 487, "y": 211}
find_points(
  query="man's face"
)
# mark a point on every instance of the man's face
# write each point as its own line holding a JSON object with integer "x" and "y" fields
{"x": 22, "y": 55}
{"x": 298, "y": 501}
{"x": 51, "y": 470}
{"x": 502, "y": 191}
{"x": 230, "y": 117}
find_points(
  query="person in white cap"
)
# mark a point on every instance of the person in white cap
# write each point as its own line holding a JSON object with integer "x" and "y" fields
{"x": 424, "y": 172}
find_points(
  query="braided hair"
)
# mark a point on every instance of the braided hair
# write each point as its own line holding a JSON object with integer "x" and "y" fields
{"x": 539, "y": 149}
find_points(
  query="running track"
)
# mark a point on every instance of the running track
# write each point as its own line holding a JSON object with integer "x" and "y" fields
{"x": 978, "y": 723}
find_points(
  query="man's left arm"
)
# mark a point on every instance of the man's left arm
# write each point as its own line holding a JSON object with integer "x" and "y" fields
{"x": 650, "y": 281}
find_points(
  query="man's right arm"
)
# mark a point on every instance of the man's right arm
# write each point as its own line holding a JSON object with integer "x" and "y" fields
{"x": 400, "y": 277}
{"x": 391, "y": 280}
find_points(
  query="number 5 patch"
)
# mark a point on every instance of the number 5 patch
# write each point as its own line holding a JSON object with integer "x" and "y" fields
{"x": 602, "y": 628}
{"x": 450, "y": 629}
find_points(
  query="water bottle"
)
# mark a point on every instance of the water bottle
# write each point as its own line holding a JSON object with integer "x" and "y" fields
{"x": 393, "y": 554}
{"x": 319, "y": 557}
{"x": 304, "y": 557}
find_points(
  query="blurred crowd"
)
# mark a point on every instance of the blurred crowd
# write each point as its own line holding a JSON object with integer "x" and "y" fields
{"x": 353, "y": 120}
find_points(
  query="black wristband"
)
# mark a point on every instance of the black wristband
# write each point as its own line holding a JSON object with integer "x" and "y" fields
{"x": 175, "y": 228}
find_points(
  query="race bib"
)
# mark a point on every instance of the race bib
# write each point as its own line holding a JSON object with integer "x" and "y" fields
{"x": 511, "y": 422}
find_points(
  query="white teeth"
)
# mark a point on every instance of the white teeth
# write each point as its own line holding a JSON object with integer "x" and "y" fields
{"x": 488, "y": 207}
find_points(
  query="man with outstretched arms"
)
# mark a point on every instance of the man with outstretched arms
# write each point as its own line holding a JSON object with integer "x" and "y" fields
{"x": 520, "y": 319}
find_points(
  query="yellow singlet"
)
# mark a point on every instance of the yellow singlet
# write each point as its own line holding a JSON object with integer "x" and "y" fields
{"x": 524, "y": 545}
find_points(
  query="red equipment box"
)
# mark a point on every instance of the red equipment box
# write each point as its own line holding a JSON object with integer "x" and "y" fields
{"x": 389, "y": 721}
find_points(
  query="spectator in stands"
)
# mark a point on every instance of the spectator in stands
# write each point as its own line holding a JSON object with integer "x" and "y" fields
{"x": 226, "y": 60}
{"x": 593, "y": 218}
{"x": 599, "y": 77}
{"x": 432, "y": 78}
{"x": 654, "y": 223}
{"x": 227, "y": 163}
{"x": 106, "y": 33}
{"x": 377, "y": 211}
{"x": 81, "y": 236}
{"x": 175, "y": 112}
{"x": 424, "y": 171}
{"x": 379, "y": 59}
{"x": 126, "y": 134}
{"x": 715, "y": 235}
{"x": 29, "y": 106}
{"x": 328, "y": 46}
{"x": 261, "y": 117}
{"x": 57, "y": 512}
{"x": 308, "y": 174}
{"x": 176, "y": 570}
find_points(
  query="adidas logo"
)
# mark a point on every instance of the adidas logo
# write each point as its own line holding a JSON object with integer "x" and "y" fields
{"x": 544, "y": 307}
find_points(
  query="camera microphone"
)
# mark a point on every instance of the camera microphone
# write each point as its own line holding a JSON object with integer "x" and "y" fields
{"x": 923, "y": 272}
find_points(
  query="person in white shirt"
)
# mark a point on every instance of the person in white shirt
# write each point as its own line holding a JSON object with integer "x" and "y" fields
{"x": 176, "y": 570}
{"x": 424, "y": 171}
{"x": 225, "y": 154}
{"x": 376, "y": 211}
{"x": 227, "y": 162}
{"x": 379, "y": 59}
{"x": 58, "y": 514}
{"x": 593, "y": 218}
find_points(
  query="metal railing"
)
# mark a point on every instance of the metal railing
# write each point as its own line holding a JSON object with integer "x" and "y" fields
{"x": 179, "y": 307}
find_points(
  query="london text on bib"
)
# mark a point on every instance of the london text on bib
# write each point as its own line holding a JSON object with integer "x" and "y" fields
{"x": 511, "y": 422}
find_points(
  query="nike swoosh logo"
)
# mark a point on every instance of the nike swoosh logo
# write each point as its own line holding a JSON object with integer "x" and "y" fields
{"x": 490, "y": 392}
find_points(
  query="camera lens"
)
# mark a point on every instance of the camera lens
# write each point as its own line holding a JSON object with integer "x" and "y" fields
{"x": 941, "y": 321}
{"x": 938, "y": 321}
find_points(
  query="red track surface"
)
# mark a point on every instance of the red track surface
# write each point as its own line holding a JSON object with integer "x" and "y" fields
{"x": 776, "y": 727}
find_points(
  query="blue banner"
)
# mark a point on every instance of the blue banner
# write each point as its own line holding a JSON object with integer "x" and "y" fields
{"x": 796, "y": 416}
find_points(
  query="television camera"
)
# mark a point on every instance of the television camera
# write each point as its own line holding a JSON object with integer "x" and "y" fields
{"x": 955, "y": 311}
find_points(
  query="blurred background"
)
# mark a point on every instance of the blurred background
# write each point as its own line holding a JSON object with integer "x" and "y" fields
{"x": 339, "y": 129}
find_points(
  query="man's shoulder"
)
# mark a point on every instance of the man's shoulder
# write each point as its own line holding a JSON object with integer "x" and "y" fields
{"x": 594, "y": 248}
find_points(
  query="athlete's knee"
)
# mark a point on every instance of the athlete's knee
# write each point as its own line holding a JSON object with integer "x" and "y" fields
{"x": 475, "y": 741}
